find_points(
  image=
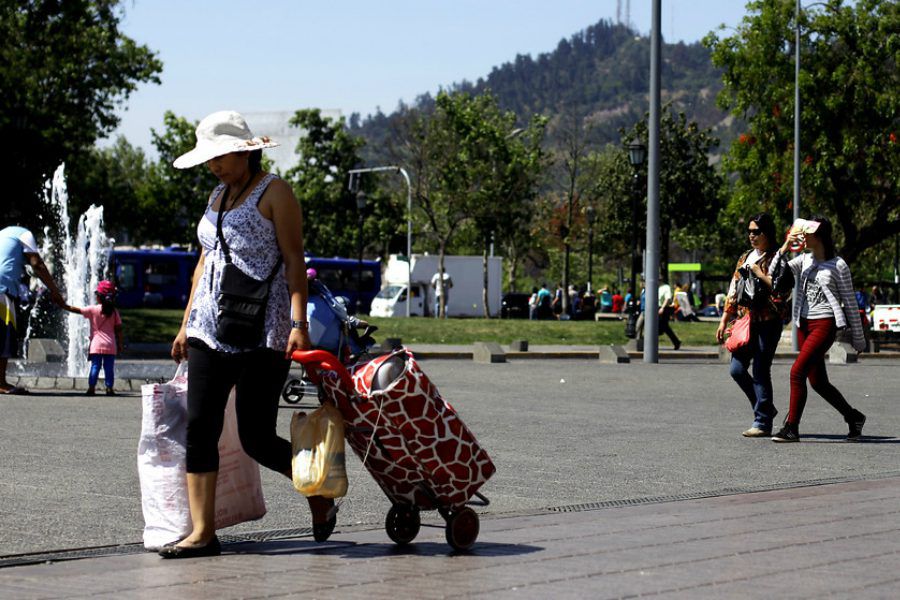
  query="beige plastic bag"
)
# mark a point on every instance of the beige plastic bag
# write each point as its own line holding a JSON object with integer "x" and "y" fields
{"x": 239, "y": 493}
{"x": 317, "y": 441}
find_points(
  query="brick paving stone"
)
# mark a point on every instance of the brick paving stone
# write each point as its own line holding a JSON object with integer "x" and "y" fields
{"x": 706, "y": 548}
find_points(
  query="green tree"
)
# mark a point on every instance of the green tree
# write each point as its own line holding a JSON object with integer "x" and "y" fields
{"x": 690, "y": 188}
{"x": 849, "y": 121}
{"x": 327, "y": 152}
{"x": 509, "y": 165}
{"x": 116, "y": 179}
{"x": 572, "y": 151}
{"x": 171, "y": 200}
{"x": 459, "y": 156}
{"x": 65, "y": 68}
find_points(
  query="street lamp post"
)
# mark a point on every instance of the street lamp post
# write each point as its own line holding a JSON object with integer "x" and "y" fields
{"x": 636, "y": 154}
{"x": 651, "y": 270}
{"x": 360, "y": 215}
{"x": 353, "y": 173}
{"x": 591, "y": 213}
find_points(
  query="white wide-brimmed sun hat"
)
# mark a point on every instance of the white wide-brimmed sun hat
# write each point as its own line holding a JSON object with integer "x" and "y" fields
{"x": 221, "y": 133}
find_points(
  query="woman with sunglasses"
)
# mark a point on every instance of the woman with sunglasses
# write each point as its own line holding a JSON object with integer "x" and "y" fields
{"x": 826, "y": 303}
{"x": 750, "y": 292}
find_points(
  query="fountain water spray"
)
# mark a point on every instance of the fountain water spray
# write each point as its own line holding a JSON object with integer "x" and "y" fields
{"x": 81, "y": 264}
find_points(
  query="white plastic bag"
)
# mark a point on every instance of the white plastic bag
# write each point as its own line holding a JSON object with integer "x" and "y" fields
{"x": 161, "y": 467}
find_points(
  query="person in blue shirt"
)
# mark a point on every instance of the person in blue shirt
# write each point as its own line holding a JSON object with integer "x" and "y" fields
{"x": 17, "y": 247}
{"x": 545, "y": 302}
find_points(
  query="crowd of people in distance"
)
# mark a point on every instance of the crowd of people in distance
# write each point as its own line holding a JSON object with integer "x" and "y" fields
{"x": 583, "y": 304}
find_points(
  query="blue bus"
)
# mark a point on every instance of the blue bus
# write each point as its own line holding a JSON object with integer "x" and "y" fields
{"x": 162, "y": 278}
{"x": 153, "y": 278}
{"x": 340, "y": 275}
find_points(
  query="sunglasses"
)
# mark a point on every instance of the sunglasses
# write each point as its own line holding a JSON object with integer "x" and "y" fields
{"x": 753, "y": 231}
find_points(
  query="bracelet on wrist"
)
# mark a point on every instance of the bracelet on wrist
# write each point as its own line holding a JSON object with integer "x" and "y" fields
{"x": 304, "y": 325}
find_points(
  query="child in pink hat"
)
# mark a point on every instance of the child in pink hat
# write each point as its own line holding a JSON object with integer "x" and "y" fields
{"x": 106, "y": 335}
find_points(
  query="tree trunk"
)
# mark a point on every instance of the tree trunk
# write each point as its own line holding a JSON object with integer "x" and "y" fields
{"x": 485, "y": 282}
{"x": 512, "y": 260}
{"x": 568, "y": 251}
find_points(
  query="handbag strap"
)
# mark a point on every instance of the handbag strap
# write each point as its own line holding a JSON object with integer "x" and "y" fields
{"x": 220, "y": 218}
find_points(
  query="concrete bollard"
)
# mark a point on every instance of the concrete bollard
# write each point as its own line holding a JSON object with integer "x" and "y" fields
{"x": 842, "y": 354}
{"x": 614, "y": 355}
{"x": 518, "y": 346}
{"x": 724, "y": 354}
{"x": 45, "y": 350}
{"x": 488, "y": 352}
{"x": 635, "y": 344}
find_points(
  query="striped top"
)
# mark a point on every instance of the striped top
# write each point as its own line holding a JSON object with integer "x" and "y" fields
{"x": 827, "y": 291}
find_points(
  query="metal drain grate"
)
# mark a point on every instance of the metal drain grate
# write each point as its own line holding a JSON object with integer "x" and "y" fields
{"x": 18, "y": 560}
{"x": 731, "y": 491}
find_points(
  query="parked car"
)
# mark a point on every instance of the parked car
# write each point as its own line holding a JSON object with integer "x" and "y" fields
{"x": 514, "y": 305}
{"x": 709, "y": 311}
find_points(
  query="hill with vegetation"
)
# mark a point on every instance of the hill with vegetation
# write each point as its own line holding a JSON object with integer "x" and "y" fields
{"x": 600, "y": 75}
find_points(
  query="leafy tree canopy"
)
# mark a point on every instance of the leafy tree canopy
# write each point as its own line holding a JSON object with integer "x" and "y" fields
{"x": 64, "y": 70}
{"x": 850, "y": 115}
{"x": 327, "y": 152}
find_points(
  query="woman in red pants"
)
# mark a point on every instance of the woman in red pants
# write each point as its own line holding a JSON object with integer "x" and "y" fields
{"x": 826, "y": 303}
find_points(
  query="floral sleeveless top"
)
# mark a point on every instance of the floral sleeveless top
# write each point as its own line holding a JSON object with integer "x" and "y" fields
{"x": 254, "y": 250}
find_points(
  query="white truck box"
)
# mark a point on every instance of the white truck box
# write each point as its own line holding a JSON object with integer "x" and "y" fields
{"x": 465, "y": 295}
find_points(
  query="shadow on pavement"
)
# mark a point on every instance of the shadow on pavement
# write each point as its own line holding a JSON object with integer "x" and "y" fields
{"x": 826, "y": 438}
{"x": 353, "y": 550}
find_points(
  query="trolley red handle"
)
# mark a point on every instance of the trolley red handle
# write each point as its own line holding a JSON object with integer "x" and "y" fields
{"x": 316, "y": 360}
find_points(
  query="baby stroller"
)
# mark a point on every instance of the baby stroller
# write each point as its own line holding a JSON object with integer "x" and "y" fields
{"x": 331, "y": 329}
{"x": 410, "y": 440}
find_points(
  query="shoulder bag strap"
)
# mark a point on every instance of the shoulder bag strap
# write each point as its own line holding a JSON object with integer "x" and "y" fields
{"x": 221, "y": 218}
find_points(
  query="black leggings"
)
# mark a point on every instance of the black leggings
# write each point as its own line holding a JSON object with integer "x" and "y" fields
{"x": 259, "y": 376}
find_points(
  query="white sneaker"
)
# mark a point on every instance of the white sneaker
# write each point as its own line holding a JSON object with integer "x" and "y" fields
{"x": 755, "y": 432}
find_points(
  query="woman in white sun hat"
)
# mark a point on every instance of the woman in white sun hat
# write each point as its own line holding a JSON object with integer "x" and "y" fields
{"x": 253, "y": 221}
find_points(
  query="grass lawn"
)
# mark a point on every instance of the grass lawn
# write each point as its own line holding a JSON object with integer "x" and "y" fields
{"x": 150, "y": 325}
{"x": 160, "y": 325}
{"x": 467, "y": 331}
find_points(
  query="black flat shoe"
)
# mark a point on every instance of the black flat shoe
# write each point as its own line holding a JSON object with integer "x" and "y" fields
{"x": 322, "y": 531}
{"x": 213, "y": 548}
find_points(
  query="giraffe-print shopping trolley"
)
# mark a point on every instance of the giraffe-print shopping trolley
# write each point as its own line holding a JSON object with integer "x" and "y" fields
{"x": 409, "y": 438}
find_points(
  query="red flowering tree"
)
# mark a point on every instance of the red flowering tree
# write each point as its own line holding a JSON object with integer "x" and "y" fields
{"x": 850, "y": 168}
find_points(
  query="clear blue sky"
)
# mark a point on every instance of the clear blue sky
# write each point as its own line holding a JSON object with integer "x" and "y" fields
{"x": 353, "y": 55}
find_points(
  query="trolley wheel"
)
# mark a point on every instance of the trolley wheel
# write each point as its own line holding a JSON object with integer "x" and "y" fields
{"x": 402, "y": 523}
{"x": 293, "y": 391}
{"x": 462, "y": 529}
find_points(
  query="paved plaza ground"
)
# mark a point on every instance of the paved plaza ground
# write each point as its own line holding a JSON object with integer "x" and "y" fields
{"x": 613, "y": 481}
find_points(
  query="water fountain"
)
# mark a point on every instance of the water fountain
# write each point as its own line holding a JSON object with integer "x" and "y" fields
{"x": 78, "y": 262}
{"x": 78, "y": 265}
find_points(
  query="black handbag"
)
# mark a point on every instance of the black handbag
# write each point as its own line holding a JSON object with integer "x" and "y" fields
{"x": 242, "y": 300}
{"x": 783, "y": 277}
